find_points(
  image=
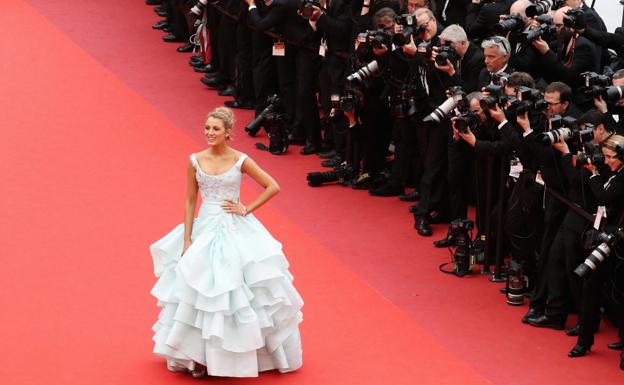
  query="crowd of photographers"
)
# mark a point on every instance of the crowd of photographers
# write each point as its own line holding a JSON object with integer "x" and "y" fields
{"x": 516, "y": 107}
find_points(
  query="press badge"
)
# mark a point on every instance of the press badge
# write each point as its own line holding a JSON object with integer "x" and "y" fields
{"x": 279, "y": 48}
{"x": 322, "y": 48}
{"x": 515, "y": 168}
{"x": 600, "y": 213}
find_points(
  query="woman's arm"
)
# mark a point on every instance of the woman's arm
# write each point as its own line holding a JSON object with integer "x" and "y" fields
{"x": 189, "y": 205}
{"x": 271, "y": 187}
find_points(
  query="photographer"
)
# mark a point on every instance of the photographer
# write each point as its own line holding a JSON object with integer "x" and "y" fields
{"x": 608, "y": 188}
{"x": 564, "y": 288}
{"x": 496, "y": 58}
{"x": 614, "y": 107}
{"x": 470, "y": 58}
{"x": 334, "y": 24}
{"x": 481, "y": 16}
{"x": 523, "y": 54}
{"x": 571, "y": 55}
{"x": 614, "y": 41}
{"x": 298, "y": 65}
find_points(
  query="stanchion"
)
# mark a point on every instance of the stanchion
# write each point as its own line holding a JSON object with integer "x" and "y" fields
{"x": 487, "y": 260}
{"x": 498, "y": 268}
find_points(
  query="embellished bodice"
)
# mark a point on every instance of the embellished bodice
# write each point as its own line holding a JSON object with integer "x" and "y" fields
{"x": 214, "y": 189}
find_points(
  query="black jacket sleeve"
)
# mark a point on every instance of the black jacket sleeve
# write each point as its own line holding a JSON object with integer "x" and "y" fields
{"x": 584, "y": 60}
{"x": 272, "y": 19}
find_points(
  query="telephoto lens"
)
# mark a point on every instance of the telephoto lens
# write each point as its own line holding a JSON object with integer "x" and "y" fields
{"x": 594, "y": 260}
{"x": 539, "y": 8}
{"x": 516, "y": 284}
{"x": 613, "y": 93}
{"x": 364, "y": 73}
{"x": 444, "y": 109}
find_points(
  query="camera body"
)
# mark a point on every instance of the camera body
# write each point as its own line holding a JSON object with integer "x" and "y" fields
{"x": 594, "y": 84}
{"x": 346, "y": 102}
{"x": 545, "y": 31}
{"x": 509, "y": 24}
{"x": 591, "y": 153}
{"x": 341, "y": 173}
{"x": 403, "y": 103}
{"x": 526, "y": 100}
{"x": 460, "y": 229}
{"x": 271, "y": 112}
{"x": 408, "y": 21}
{"x": 567, "y": 129}
{"x": 574, "y": 19}
{"x": 466, "y": 120}
{"x": 378, "y": 37}
{"x": 446, "y": 52}
{"x": 496, "y": 92}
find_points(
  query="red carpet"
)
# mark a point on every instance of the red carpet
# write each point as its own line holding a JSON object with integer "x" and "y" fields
{"x": 96, "y": 136}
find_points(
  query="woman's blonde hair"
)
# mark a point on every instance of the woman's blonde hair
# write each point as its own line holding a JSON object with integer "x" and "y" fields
{"x": 615, "y": 143}
{"x": 225, "y": 115}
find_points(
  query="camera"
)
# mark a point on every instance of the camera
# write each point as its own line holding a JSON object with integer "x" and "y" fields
{"x": 526, "y": 100}
{"x": 466, "y": 120}
{"x": 567, "y": 130}
{"x": 445, "y": 52}
{"x": 543, "y": 6}
{"x": 591, "y": 153}
{"x": 574, "y": 19}
{"x": 613, "y": 93}
{"x": 594, "y": 84}
{"x": 270, "y": 112}
{"x": 608, "y": 242}
{"x": 307, "y": 8}
{"x": 341, "y": 173}
{"x": 408, "y": 21}
{"x": 347, "y": 102}
{"x": 457, "y": 95}
{"x": 364, "y": 73}
{"x": 545, "y": 31}
{"x": 403, "y": 103}
{"x": 510, "y": 23}
{"x": 496, "y": 91}
{"x": 516, "y": 284}
{"x": 378, "y": 37}
{"x": 460, "y": 230}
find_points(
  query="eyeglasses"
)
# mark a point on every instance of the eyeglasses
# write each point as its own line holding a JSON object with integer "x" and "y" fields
{"x": 553, "y": 103}
{"x": 499, "y": 40}
{"x": 426, "y": 24}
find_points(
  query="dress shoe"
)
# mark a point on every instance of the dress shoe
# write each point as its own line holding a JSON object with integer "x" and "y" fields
{"x": 171, "y": 38}
{"x": 327, "y": 154}
{"x": 545, "y": 321}
{"x": 227, "y": 91}
{"x": 240, "y": 104}
{"x": 616, "y": 345}
{"x": 161, "y": 13}
{"x": 188, "y": 47}
{"x": 153, "y": 2}
{"x": 573, "y": 331}
{"x": 578, "y": 351}
{"x": 160, "y": 24}
{"x": 410, "y": 197}
{"x": 622, "y": 361}
{"x": 422, "y": 226}
{"x": 436, "y": 218}
{"x": 205, "y": 69}
{"x": 331, "y": 163}
{"x": 161, "y": 8}
{"x": 446, "y": 242}
{"x": 212, "y": 83}
{"x": 387, "y": 190}
{"x": 532, "y": 313}
{"x": 167, "y": 28}
{"x": 309, "y": 149}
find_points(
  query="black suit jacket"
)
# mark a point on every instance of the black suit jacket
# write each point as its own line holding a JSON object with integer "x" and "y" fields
{"x": 282, "y": 17}
{"x": 610, "y": 197}
{"x": 485, "y": 77}
{"x": 455, "y": 11}
{"x": 585, "y": 55}
{"x": 481, "y": 18}
{"x": 335, "y": 25}
{"x": 470, "y": 65}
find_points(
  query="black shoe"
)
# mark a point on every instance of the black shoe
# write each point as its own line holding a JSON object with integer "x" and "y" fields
{"x": 153, "y": 2}
{"x": 545, "y": 321}
{"x": 327, "y": 154}
{"x": 160, "y": 24}
{"x": 309, "y": 149}
{"x": 188, "y": 47}
{"x": 578, "y": 351}
{"x": 167, "y": 28}
{"x": 227, "y": 91}
{"x": 387, "y": 190}
{"x": 171, "y": 38}
{"x": 333, "y": 162}
{"x": 422, "y": 226}
{"x": 362, "y": 182}
{"x": 574, "y": 331}
{"x": 413, "y": 208}
{"x": 239, "y": 104}
{"x": 532, "y": 313}
{"x": 622, "y": 361}
{"x": 411, "y": 197}
{"x": 212, "y": 83}
{"x": 616, "y": 345}
{"x": 161, "y": 8}
{"x": 161, "y": 13}
{"x": 446, "y": 242}
{"x": 205, "y": 69}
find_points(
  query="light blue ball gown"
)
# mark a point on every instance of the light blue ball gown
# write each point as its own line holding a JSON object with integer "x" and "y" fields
{"x": 229, "y": 302}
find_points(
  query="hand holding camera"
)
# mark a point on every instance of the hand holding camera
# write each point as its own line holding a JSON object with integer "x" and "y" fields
{"x": 540, "y": 45}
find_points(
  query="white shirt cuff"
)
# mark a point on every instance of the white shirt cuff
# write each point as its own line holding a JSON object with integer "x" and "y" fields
{"x": 252, "y": 7}
{"x": 501, "y": 124}
{"x": 526, "y": 133}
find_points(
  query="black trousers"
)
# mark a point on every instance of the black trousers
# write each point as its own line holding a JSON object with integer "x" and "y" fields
{"x": 176, "y": 18}
{"x": 213, "y": 19}
{"x": 432, "y": 149}
{"x": 377, "y": 127}
{"x": 564, "y": 287}
{"x": 243, "y": 81}
{"x": 298, "y": 79}
{"x": 460, "y": 161}
{"x": 332, "y": 79}
{"x": 406, "y": 162}
{"x": 227, "y": 49}
{"x": 264, "y": 71}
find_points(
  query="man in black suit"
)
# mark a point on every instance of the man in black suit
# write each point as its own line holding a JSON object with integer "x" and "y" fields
{"x": 471, "y": 59}
{"x": 334, "y": 24}
{"x": 452, "y": 11}
{"x": 298, "y": 65}
{"x": 567, "y": 57}
{"x": 481, "y": 17}
{"x": 496, "y": 57}
{"x": 523, "y": 54}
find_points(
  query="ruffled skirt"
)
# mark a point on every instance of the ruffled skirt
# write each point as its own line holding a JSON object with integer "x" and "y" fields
{"x": 229, "y": 302}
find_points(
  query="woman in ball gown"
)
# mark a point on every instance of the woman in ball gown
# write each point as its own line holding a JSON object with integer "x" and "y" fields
{"x": 228, "y": 304}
